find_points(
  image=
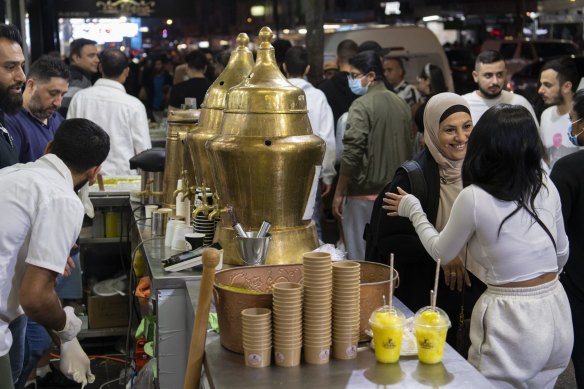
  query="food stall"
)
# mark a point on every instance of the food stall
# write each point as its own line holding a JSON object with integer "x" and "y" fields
{"x": 255, "y": 152}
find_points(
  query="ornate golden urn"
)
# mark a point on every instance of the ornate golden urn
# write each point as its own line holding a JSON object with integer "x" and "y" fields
{"x": 178, "y": 160}
{"x": 265, "y": 160}
{"x": 239, "y": 66}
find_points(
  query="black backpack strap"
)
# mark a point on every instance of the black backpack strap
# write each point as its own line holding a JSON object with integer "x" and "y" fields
{"x": 417, "y": 180}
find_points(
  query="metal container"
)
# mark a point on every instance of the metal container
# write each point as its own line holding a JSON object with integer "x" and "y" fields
{"x": 253, "y": 250}
{"x": 178, "y": 160}
{"x": 265, "y": 160}
{"x": 237, "y": 69}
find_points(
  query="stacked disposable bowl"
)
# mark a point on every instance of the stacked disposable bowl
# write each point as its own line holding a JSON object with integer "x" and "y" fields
{"x": 346, "y": 309}
{"x": 287, "y": 323}
{"x": 318, "y": 279}
{"x": 256, "y": 330}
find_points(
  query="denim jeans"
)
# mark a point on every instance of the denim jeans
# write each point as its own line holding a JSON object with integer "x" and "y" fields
{"x": 29, "y": 344}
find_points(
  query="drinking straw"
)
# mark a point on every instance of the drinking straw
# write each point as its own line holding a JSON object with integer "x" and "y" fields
{"x": 391, "y": 282}
{"x": 435, "y": 291}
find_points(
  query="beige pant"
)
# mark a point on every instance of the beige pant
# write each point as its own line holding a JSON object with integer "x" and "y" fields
{"x": 522, "y": 337}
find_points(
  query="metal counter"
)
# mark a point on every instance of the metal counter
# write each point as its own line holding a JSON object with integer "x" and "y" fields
{"x": 170, "y": 302}
{"x": 226, "y": 369}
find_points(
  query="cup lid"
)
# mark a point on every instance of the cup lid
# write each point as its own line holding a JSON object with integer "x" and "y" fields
{"x": 387, "y": 317}
{"x": 431, "y": 317}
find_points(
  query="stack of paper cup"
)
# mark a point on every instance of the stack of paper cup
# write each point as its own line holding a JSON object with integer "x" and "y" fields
{"x": 318, "y": 279}
{"x": 256, "y": 329}
{"x": 287, "y": 311}
{"x": 170, "y": 230}
{"x": 346, "y": 309}
{"x": 178, "y": 238}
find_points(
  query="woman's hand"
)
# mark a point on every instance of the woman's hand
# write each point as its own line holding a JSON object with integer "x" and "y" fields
{"x": 455, "y": 274}
{"x": 392, "y": 200}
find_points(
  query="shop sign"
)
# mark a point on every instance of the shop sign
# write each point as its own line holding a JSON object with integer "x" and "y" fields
{"x": 129, "y": 8}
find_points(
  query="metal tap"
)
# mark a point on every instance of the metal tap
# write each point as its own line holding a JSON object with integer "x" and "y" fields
{"x": 147, "y": 192}
{"x": 216, "y": 210}
{"x": 185, "y": 184}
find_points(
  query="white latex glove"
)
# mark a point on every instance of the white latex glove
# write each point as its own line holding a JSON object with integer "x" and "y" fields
{"x": 75, "y": 364}
{"x": 72, "y": 326}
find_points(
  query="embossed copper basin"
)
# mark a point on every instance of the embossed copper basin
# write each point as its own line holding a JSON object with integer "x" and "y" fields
{"x": 244, "y": 287}
{"x": 253, "y": 290}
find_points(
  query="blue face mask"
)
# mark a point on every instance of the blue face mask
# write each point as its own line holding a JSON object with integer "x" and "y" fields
{"x": 573, "y": 138}
{"x": 356, "y": 87}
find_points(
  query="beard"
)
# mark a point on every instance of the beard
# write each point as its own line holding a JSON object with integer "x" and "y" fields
{"x": 37, "y": 110}
{"x": 558, "y": 99}
{"x": 490, "y": 95}
{"x": 80, "y": 185}
{"x": 10, "y": 102}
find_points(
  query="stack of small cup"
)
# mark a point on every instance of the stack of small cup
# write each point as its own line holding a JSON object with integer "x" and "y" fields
{"x": 318, "y": 279}
{"x": 346, "y": 309}
{"x": 256, "y": 329}
{"x": 287, "y": 310}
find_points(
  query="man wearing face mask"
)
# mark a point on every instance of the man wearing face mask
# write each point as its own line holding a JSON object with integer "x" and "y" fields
{"x": 12, "y": 80}
{"x": 377, "y": 140}
{"x": 41, "y": 220}
{"x": 559, "y": 80}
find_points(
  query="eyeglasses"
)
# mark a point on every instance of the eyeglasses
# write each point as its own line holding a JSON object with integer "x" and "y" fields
{"x": 354, "y": 76}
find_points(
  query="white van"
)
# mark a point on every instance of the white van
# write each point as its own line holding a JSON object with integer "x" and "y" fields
{"x": 417, "y": 45}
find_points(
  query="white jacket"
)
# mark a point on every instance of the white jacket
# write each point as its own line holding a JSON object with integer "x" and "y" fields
{"x": 321, "y": 120}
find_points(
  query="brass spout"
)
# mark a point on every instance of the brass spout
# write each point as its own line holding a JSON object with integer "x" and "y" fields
{"x": 148, "y": 191}
{"x": 203, "y": 208}
{"x": 213, "y": 214}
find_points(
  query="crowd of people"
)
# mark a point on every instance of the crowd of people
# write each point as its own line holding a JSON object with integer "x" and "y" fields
{"x": 477, "y": 181}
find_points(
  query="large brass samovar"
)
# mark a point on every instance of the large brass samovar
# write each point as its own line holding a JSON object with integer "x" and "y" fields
{"x": 265, "y": 160}
{"x": 239, "y": 66}
{"x": 178, "y": 163}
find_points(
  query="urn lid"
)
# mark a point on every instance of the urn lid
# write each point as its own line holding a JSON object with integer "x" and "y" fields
{"x": 266, "y": 89}
{"x": 239, "y": 66}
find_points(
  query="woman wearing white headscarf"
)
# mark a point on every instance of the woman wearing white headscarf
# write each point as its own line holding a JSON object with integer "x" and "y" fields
{"x": 448, "y": 124}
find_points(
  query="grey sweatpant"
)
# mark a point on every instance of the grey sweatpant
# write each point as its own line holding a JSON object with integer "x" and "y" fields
{"x": 522, "y": 337}
{"x": 356, "y": 213}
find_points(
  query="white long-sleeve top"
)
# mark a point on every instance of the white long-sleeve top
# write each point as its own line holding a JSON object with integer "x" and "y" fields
{"x": 321, "y": 120}
{"x": 121, "y": 115}
{"x": 522, "y": 251}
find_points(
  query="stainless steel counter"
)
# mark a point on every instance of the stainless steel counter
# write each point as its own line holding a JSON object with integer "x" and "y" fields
{"x": 225, "y": 369}
{"x": 170, "y": 301}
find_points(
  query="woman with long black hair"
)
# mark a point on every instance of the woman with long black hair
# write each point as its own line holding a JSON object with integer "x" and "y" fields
{"x": 509, "y": 213}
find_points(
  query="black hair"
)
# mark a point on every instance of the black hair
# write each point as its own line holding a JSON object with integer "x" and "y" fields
{"x": 77, "y": 45}
{"x": 296, "y": 60}
{"x": 370, "y": 45}
{"x": 281, "y": 46}
{"x": 347, "y": 49}
{"x": 434, "y": 74}
{"x": 10, "y": 32}
{"x": 399, "y": 60}
{"x": 487, "y": 57}
{"x": 113, "y": 62}
{"x": 566, "y": 69}
{"x": 578, "y": 104}
{"x": 80, "y": 144}
{"x": 197, "y": 60}
{"x": 45, "y": 68}
{"x": 222, "y": 57}
{"x": 368, "y": 61}
{"x": 504, "y": 157}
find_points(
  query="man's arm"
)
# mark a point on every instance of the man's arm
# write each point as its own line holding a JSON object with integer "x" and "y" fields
{"x": 38, "y": 298}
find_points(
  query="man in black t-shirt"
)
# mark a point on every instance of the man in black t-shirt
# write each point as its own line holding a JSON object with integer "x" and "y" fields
{"x": 196, "y": 86}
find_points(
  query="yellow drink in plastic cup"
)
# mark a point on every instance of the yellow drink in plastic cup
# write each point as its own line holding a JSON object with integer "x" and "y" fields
{"x": 388, "y": 329}
{"x": 431, "y": 327}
